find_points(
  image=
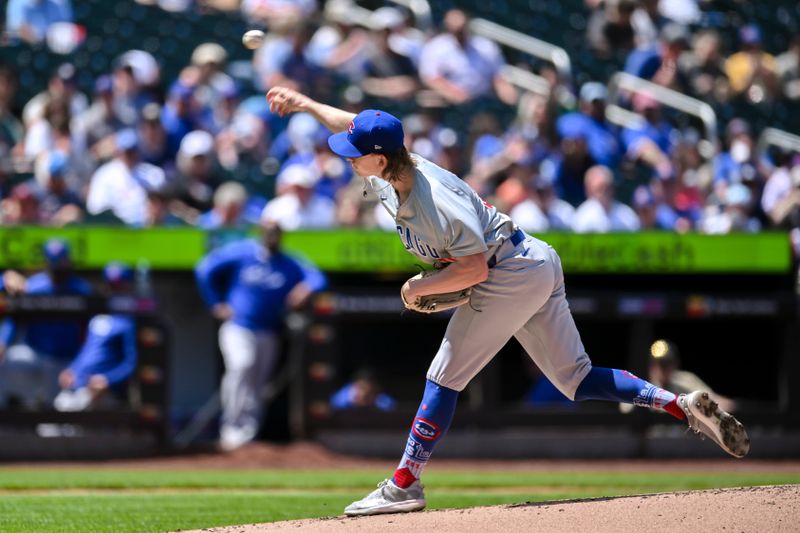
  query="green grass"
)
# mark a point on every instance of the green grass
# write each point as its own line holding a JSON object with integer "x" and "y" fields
{"x": 118, "y": 501}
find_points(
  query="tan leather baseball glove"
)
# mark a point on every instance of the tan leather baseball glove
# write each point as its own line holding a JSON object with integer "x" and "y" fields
{"x": 434, "y": 303}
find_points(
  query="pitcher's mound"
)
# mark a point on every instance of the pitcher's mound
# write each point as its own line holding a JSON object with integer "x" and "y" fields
{"x": 755, "y": 509}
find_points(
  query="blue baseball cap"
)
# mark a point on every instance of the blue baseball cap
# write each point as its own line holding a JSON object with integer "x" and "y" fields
{"x": 116, "y": 272}
{"x": 56, "y": 252}
{"x": 370, "y": 132}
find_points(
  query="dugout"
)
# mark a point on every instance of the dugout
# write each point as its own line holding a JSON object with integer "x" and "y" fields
{"x": 729, "y": 302}
{"x": 137, "y": 426}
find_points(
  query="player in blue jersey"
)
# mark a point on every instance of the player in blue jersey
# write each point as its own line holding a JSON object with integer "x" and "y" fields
{"x": 33, "y": 352}
{"x": 517, "y": 289}
{"x": 249, "y": 285}
{"x": 98, "y": 376}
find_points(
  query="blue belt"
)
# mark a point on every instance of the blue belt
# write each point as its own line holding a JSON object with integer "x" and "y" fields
{"x": 517, "y": 237}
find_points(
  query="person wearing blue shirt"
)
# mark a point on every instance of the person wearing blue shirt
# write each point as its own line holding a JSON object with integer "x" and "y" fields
{"x": 590, "y": 120}
{"x": 98, "y": 376}
{"x": 30, "y": 20}
{"x": 29, "y": 372}
{"x": 362, "y": 392}
{"x": 249, "y": 285}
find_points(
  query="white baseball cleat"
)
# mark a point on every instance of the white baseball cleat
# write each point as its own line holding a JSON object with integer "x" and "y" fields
{"x": 704, "y": 416}
{"x": 389, "y": 498}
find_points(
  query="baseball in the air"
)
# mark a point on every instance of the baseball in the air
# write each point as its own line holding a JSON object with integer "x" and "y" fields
{"x": 253, "y": 39}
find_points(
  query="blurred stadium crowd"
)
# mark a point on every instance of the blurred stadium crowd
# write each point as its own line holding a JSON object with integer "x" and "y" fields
{"x": 195, "y": 144}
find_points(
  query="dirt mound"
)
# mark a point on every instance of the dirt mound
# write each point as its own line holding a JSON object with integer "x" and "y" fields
{"x": 772, "y": 509}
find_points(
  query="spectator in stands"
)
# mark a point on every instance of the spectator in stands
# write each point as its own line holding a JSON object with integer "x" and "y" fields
{"x": 50, "y": 132}
{"x": 120, "y": 186}
{"x": 62, "y": 88}
{"x": 229, "y": 202}
{"x": 179, "y": 114}
{"x": 197, "y": 173}
{"x": 363, "y": 392}
{"x": 788, "y": 66}
{"x": 286, "y": 60}
{"x": 740, "y": 163}
{"x": 340, "y": 45}
{"x": 59, "y": 204}
{"x": 651, "y": 139}
{"x": 664, "y": 370}
{"x": 647, "y": 21}
{"x": 590, "y": 121}
{"x": 131, "y": 71}
{"x": 277, "y": 15}
{"x": 460, "y": 66}
{"x": 11, "y": 131}
{"x": 299, "y": 206}
{"x": 659, "y": 63}
{"x": 160, "y": 207}
{"x": 653, "y": 210}
{"x": 250, "y": 285}
{"x": 601, "y": 213}
{"x": 212, "y": 83}
{"x": 21, "y": 207}
{"x": 781, "y": 197}
{"x": 692, "y": 177}
{"x": 30, "y": 365}
{"x": 154, "y": 148}
{"x": 389, "y": 74}
{"x": 543, "y": 210}
{"x": 242, "y": 148}
{"x": 734, "y": 212}
{"x": 751, "y": 71}
{"x": 98, "y": 376}
{"x": 29, "y": 20}
{"x": 703, "y": 67}
{"x": 95, "y": 128}
{"x": 610, "y": 30}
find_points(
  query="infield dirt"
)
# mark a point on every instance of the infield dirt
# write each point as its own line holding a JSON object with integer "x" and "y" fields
{"x": 752, "y": 509}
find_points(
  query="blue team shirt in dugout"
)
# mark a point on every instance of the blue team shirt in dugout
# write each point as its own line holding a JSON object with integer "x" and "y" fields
{"x": 109, "y": 350}
{"x": 253, "y": 282}
{"x": 59, "y": 338}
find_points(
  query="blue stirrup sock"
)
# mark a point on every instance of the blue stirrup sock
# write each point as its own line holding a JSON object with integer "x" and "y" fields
{"x": 432, "y": 421}
{"x": 622, "y": 386}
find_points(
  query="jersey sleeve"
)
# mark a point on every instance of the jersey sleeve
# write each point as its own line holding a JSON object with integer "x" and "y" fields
{"x": 213, "y": 273}
{"x": 466, "y": 236}
{"x": 127, "y": 363}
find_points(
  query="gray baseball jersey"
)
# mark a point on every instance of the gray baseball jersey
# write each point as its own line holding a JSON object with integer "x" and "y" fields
{"x": 524, "y": 296}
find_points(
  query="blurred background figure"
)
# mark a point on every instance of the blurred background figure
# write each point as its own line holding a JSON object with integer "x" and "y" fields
{"x": 30, "y": 20}
{"x": 601, "y": 213}
{"x": 249, "y": 285}
{"x": 363, "y": 391}
{"x": 389, "y": 74}
{"x": 542, "y": 210}
{"x": 459, "y": 66}
{"x": 664, "y": 370}
{"x": 198, "y": 175}
{"x": 12, "y": 282}
{"x": 751, "y": 71}
{"x": 33, "y": 352}
{"x": 299, "y": 206}
{"x": 98, "y": 376}
{"x": 120, "y": 186}
{"x": 229, "y": 203}
{"x": 542, "y": 394}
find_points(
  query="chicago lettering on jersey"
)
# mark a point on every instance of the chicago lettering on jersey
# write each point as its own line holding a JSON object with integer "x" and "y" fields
{"x": 412, "y": 242}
